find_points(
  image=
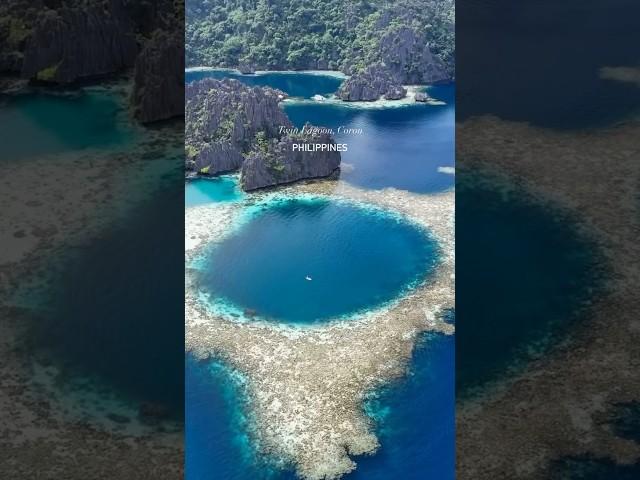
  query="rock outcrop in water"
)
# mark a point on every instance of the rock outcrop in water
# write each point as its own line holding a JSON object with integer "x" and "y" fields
{"x": 370, "y": 85}
{"x": 422, "y": 97}
{"x": 230, "y": 126}
{"x": 406, "y": 59}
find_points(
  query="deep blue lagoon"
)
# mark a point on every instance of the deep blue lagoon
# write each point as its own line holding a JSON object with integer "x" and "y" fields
{"x": 304, "y": 85}
{"x": 401, "y": 146}
{"x": 46, "y": 123}
{"x": 305, "y": 260}
{"x": 527, "y": 272}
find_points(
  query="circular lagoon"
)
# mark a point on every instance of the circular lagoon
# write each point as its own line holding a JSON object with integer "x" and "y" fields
{"x": 527, "y": 272}
{"x": 308, "y": 260}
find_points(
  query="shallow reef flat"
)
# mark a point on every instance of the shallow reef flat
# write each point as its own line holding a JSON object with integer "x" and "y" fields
{"x": 381, "y": 103}
{"x": 306, "y": 386}
{"x": 564, "y": 400}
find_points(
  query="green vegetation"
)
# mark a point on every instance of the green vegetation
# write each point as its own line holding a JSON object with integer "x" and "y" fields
{"x": 17, "y": 31}
{"x": 48, "y": 74}
{"x": 262, "y": 142}
{"x": 225, "y": 127}
{"x": 314, "y": 34}
{"x": 191, "y": 151}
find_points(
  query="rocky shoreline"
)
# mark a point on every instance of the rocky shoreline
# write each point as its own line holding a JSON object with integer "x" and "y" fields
{"x": 306, "y": 385}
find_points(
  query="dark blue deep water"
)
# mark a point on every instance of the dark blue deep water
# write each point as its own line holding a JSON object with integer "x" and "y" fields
{"x": 414, "y": 419}
{"x": 538, "y": 61}
{"x": 117, "y": 306}
{"x": 294, "y": 84}
{"x": 39, "y": 123}
{"x": 400, "y": 147}
{"x": 356, "y": 258}
{"x": 526, "y": 273}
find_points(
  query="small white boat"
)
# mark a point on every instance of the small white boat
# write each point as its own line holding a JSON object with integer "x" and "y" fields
{"x": 308, "y": 278}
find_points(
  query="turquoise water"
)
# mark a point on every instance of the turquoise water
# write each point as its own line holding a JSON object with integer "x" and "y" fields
{"x": 294, "y": 84}
{"x": 303, "y": 261}
{"x": 206, "y": 190}
{"x": 45, "y": 123}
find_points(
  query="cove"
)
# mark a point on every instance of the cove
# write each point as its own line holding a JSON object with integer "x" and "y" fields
{"x": 306, "y": 260}
{"x": 526, "y": 274}
{"x": 304, "y": 85}
{"x": 401, "y": 147}
{"x": 44, "y": 123}
{"x": 211, "y": 190}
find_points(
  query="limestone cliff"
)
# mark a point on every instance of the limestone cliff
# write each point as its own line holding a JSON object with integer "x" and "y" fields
{"x": 62, "y": 42}
{"x": 71, "y": 44}
{"x": 158, "y": 88}
{"x": 370, "y": 85}
{"x": 277, "y": 163}
{"x": 407, "y": 55}
{"x": 230, "y": 126}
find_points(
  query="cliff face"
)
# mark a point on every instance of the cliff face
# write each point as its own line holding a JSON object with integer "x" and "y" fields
{"x": 223, "y": 118}
{"x": 405, "y": 59}
{"x": 158, "y": 89}
{"x": 279, "y": 163}
{"x": 406, "y": 54}
{"x": 230, "y": 126}
{"x": 370, "y": 85}
{"x": 71, "y": 44}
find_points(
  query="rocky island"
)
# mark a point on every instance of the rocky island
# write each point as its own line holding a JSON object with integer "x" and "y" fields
{"x": 231, "y": 127}
{"x": 405, "y": 59}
